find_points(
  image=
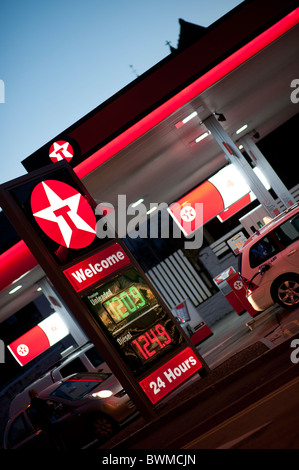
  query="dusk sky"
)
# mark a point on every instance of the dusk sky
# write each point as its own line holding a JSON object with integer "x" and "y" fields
{"x": 61, "y": 59}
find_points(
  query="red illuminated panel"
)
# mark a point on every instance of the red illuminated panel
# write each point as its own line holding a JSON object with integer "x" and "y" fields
{"x": 38, "y": 339}
{"x": 15, "y": 262}
{"x": 205, "y": 194}
{"x": 151, "y": 342}
{"x": 97, "y": 267}
{"x": 234, "y": 208}
{"x": 173, "y": 373}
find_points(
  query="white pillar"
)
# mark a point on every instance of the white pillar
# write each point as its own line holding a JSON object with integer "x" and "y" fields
{"x": 233, "y": 154}
{"x": 58, "y": 305}
{"x": 273, "y": 179}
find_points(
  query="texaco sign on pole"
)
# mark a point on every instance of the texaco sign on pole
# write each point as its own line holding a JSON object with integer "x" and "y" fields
{"x": 101, "y": 283}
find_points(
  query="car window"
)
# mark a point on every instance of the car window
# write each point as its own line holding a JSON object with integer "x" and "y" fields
{"x": 288, "y": 232}
{"x": 94, "y": 357}
{"x": 75, "y": 389}
{"x": 73, "y": 367}
{"x": 261, "y": 251}
{"x": 19, "y": 430}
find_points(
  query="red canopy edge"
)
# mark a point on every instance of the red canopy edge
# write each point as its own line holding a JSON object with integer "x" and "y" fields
{"x": 15, "y": 262}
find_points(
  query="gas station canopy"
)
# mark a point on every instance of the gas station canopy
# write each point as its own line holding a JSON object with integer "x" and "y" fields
{"x": 242, "y": 67}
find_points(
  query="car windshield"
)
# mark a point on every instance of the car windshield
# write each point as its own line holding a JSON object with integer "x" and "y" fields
{"x": 76, "y": 388}
{"x": 288, "y": 232}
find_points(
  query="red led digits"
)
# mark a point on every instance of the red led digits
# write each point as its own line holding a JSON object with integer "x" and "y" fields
{"x": 156, "y": 336}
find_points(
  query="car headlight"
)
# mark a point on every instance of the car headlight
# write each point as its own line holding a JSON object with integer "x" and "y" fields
{"x": 102, "y": 394}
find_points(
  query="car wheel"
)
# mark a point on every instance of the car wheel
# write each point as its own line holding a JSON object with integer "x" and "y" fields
{"x": 285, "y": 291}
{"x": 104, "y": 427}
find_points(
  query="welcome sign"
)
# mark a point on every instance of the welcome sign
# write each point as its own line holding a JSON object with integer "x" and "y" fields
{"x": 97, "y": 267}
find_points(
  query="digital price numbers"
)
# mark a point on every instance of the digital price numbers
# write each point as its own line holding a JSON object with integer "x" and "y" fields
{"x": 153, "y": 340}
{"x": 134, "y": 320}
{"x": 127, "y": 302}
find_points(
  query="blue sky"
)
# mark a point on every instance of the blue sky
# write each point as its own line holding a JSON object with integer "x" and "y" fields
{"x": 61, "y": 59}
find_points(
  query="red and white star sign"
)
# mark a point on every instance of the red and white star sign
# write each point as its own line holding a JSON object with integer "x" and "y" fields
{"x": 61, "y": 150}
{"x": 63, "y": 214}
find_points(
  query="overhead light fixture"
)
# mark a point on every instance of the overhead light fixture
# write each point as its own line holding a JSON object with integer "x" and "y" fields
{"x": 135, "y": 204}
{"x": 15, "y": 289}
{"x": 186, "y": 119}
{"x": 199, "y": 138}
{"x": 18, "y": 278}
{"x": 242, "y": 129}
{"x": 202, "y": 136}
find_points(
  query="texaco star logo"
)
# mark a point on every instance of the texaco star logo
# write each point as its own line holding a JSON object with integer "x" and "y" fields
{"x": 238, "y": 285}
{"x": 63, "y": 214}
{"x": 22, "y": 350}
{"x": 61, "y": 150}
{"x": 188, "y": 213}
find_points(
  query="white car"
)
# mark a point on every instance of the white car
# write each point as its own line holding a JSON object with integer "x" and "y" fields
{"x": 269, "y": 262}
{"x": 84, "y": 359}
{"x": 84, "y": 407}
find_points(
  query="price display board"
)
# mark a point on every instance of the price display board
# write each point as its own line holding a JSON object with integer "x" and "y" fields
{"x": 100, "y": 282}
{"x": 134, "y": 320}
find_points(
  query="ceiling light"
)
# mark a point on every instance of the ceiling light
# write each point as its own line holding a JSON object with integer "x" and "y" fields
{"x": 200, "y": 137}
{"x": 242, "y": 129}
{"x": 15, "y": 289}
{"x": 23, "y": 275}
{"x": 186, "y": 119}
{"x": 135, "y": 204}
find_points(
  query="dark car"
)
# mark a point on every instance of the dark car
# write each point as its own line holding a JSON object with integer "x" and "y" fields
{"x": 84, "y": 408}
